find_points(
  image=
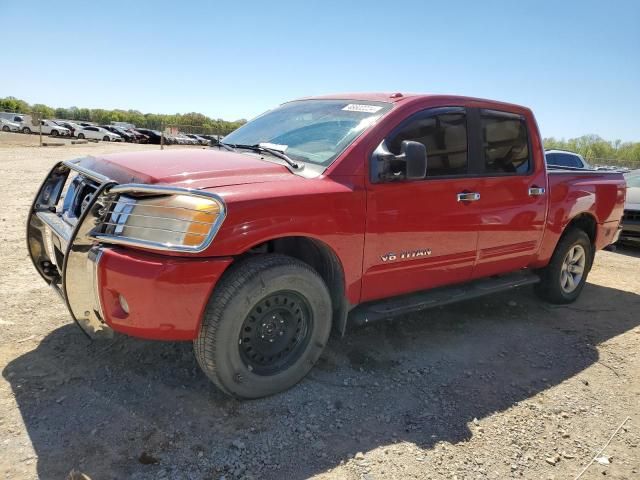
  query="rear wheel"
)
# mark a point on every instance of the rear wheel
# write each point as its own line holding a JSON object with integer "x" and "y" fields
{"x": 265, "y": 326}
{"x": 564, "y": 278}
{"x": 26, "y": 130}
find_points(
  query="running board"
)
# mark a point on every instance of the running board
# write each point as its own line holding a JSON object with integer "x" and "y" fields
{"x": 415, "y": 302}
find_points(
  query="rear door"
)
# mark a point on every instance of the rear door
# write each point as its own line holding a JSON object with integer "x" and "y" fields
{"x": 418, "y": 234}
{"x": 512, "y": 191}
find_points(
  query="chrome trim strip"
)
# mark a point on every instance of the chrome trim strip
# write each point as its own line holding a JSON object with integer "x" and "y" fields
{"x": 164, "y": 190}
{"x": 132, "y": 242}
{"x": 95, "y": 255}
{"x": 57, "y": 226}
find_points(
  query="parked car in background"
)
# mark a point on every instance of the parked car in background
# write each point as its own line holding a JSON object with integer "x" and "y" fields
{"x": 153, "y": 136}
{"x": 184, "y": 139}
{"x": 199, "y": 138}
{"x": 631, "y": 218}
{"x": 563, "y": 158}
{"x": 214, "y": 139}
{"x": 49, "y": 127}
{"x": 126, "y": 136}
{"x": 98, "y": 133}
{"x": 25, "y": 121}
{"x": 13, "y": 117}
{"x": 9, "y": 126}
{"x": 612, "y": 168}
{"x": 140, "y": 137}
{"x": 73, "y": 127}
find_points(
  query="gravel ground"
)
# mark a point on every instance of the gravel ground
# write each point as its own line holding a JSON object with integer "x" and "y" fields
{"x": 500, "y": 387}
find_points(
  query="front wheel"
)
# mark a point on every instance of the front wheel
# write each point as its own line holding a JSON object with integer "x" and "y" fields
{"x": 26, "y": 130}
{"x": 54, "y": 133}
{"x": 563, "y": 279}
{"x": 105, "y": 138}
{"x": 5, "y": 128}
{"x": 80, "y": 136}
{"x": 265, "y": 326}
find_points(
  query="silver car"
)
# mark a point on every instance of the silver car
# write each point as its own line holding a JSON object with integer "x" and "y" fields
{"x": 631, "y": 218}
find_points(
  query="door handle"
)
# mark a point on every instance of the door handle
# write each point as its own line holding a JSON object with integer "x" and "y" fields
{"x": 536, "y": 191}
{"x": 468, "y": 197}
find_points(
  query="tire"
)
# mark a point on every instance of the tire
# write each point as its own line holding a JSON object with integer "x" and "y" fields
{"x": 5, "y": 128}
{"x": 554, "y": 285}
{"x": 264, "y": 327}
{"x": 81, "y": 136}
{"x": 26, "y": 130}
{"x": 105, "y": 138}
{"x": 54, "y": 133}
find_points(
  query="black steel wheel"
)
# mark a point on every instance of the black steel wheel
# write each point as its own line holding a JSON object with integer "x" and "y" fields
{"x": 265, "y": 326}
{"x": 275, "y": 333}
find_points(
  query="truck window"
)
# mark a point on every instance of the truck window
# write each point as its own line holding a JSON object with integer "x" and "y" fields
{"x": 505, "y": 143}
{"x": 445, "y": 138}
{"x": 563, "y": 160}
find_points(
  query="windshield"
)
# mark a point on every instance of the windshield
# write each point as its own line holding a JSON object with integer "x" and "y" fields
{"x": 314, "y": 131}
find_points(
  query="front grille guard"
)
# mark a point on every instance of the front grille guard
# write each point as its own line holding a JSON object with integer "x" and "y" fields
{"x": 67, "y": 257}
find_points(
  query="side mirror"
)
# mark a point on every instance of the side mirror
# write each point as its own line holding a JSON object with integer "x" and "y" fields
{"x": 414, "y": 155}
{"x": 411, "y": 164}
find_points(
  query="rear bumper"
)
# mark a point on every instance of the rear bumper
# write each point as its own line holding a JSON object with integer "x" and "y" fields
{"x": 166, "y": 295}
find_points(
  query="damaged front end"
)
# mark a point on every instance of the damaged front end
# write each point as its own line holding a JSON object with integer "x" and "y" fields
{"x": 59, "y": 243}
{"x": 79, "y": 214}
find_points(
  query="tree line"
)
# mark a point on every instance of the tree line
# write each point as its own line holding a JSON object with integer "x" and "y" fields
{"x": 193, "y": 121}
{"x": 597, "y": 150}
{"x": 593, "y": 148}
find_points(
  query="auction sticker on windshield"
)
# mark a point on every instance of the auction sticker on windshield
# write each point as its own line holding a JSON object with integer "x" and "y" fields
{"x": 358, "y": 107}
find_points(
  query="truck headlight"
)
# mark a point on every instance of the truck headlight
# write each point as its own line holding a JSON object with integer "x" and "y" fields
{"x": 179, "y": 222}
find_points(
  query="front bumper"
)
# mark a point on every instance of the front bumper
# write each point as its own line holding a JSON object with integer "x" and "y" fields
{"x": 166, "y": 295}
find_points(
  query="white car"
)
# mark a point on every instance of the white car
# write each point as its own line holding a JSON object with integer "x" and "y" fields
{"x": 50, "y": 127}
{"x": 8, "y": 126}
{"x": 98, "y": 133}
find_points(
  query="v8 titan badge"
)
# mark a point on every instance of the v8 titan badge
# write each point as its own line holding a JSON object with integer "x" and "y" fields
{"x": 392, "y": 256}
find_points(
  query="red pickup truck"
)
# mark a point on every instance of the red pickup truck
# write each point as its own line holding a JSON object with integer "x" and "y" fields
{"x": 319, "y": 213}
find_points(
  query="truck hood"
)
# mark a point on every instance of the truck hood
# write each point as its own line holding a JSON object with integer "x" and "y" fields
{"x": 189, "y": 168}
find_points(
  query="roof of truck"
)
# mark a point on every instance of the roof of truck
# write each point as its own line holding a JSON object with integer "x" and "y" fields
{"x": 396, "y": 97}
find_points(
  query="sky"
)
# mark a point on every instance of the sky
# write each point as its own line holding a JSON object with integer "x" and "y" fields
{"x": 576, "y": 64}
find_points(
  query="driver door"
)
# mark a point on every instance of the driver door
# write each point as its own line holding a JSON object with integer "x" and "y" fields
{"x": 419, "y": 235}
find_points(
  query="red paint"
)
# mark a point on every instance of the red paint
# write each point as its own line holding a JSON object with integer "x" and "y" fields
{"x": 166, "y": 296}
{"x": 506, "y": 230}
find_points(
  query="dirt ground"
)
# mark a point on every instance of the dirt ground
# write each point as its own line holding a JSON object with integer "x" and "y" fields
{"x": 501, "y": 387}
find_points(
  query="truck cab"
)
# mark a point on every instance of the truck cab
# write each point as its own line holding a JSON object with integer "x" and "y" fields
{"x": 321, "y": 213}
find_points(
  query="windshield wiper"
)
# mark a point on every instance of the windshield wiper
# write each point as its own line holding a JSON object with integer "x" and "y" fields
{"x": 226, "y": 146}
{"x": 276, "y": 153}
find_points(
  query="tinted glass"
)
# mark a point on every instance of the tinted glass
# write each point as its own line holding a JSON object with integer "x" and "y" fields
{"x": 563, "y": 160}
{"x": 505, "y": 143}
{"x": 314, "y": 131}
{"x": 445, "y": 138}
